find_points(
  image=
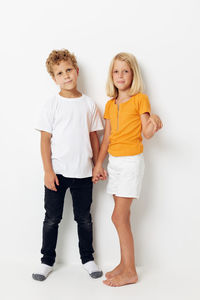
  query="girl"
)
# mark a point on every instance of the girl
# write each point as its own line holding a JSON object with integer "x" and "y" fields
{"x": 127, "y": 116}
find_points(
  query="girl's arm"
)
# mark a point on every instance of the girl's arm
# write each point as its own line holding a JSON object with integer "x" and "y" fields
{"x": 98, "y": 171}
{"x": 95, "y": 146}
{"x": 150, "y": 124}
{"x": 49, "y": 176}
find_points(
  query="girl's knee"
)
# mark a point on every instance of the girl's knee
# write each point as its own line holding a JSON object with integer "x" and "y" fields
{"x": 119, "y": 218}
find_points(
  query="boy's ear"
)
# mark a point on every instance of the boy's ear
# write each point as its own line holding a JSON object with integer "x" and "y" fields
{"x": 77, "y": 70}
{"x": 54, "y": 79}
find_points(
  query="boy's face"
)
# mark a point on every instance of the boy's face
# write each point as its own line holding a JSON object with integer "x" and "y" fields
{"x": 122, "y": 75}
{"x": 65, "y": 75}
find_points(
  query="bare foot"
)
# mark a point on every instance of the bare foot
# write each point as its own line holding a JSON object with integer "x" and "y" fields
{"x": 122, "y": 279}
{"x": 115, "y": 271}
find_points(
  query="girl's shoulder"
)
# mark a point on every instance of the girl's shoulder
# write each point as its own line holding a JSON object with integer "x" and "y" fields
{"x": 140, "y": 96}
{"x": 110, "y": 102}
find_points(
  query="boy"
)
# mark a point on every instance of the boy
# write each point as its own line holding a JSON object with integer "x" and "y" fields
{"x": 69, "y": 142}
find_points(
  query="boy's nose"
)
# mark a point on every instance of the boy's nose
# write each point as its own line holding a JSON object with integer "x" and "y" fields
{"x": 66, "y": 75}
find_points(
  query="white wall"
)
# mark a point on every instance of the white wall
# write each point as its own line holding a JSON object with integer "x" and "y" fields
{"x": 163, "y": 36}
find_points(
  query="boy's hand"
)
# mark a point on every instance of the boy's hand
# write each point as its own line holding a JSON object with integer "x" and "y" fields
{"x": 98, "y": 173}
{"x": 156, "y": 122}
{"x": 50, "y": 179}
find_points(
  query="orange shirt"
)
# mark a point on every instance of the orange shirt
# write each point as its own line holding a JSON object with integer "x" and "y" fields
{"x": 126, "y": 127}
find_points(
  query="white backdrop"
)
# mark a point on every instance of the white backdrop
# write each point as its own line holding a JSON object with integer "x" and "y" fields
{"x": 163, "y": 35}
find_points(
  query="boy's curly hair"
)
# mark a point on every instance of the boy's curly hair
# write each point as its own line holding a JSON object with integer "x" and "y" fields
{"x": 56, "y": 56}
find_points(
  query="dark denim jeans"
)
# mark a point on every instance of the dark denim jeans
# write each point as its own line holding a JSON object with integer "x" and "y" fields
{"x": 81, "y": 191}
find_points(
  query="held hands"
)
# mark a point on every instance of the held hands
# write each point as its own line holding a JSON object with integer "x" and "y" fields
{"x": 50, "y": 179}
{"x": 98, "y": 173}
{"x": 156, "y": 122}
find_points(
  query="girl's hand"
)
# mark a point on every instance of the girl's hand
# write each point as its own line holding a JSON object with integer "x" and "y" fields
{"x": 50, "y": 179}
{"x": 156, "y": 122}
{"x": 98, "y": 173}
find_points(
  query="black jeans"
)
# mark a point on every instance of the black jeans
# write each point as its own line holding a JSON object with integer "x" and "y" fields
{"x": 81, "y": 191}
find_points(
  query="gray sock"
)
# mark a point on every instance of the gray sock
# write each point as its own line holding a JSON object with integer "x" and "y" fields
{"x": 92, "y": 269}
{"x": 42, "y": 273}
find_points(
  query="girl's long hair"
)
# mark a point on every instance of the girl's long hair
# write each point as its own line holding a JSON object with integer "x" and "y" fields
{"x": 137, "y": 85}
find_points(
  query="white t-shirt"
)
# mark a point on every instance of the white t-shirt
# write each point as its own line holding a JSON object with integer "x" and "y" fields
{"x": 70, "y": 120}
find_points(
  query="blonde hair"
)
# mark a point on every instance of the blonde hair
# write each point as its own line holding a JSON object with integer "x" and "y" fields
{"x": 56, "y": 56}
{"x": 137, "y": 85}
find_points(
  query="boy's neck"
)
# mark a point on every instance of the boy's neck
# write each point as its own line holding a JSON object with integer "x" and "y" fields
{"x": 70, "y": 94}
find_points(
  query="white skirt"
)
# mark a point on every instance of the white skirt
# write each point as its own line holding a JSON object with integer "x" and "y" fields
{"x": 125, "y": 174}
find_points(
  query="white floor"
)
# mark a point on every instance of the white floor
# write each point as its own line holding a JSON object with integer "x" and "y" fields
{"x": 72, "y": 282}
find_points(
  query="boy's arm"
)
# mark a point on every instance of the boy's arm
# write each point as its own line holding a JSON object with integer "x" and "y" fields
{"x": 95, "y": 146}
{"x": 150, "y": 124}
{"x": 98, "y": 171}
{"x": 49, "y": 176}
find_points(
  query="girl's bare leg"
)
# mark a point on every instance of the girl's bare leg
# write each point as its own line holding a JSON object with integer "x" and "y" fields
{"x": 119, "y": 268}
{"x": 125, "y": 272}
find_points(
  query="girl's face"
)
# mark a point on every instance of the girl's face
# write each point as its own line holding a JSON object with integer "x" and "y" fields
{"x": 122, "y": 75}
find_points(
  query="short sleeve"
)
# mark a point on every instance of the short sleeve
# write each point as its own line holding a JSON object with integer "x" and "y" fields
{"x": 107, "y": 111}
{"x": 45, "y": 119}
{"x": 96, "y": 123}
{"x": 144, "y": 104}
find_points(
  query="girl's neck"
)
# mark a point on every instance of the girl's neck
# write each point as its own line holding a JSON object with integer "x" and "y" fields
{"x": 123, "y": 95}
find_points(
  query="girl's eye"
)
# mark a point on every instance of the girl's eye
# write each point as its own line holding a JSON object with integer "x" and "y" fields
{"x": 115, "y": 71}
{"x": 126, "y": 71}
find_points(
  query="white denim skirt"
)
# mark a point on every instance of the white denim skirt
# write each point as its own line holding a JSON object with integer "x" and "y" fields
{"x": 125, "y": 175}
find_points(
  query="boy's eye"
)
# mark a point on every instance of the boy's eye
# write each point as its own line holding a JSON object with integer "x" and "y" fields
{"x": 68, "y": 70}
{"x": 59, "y": 73}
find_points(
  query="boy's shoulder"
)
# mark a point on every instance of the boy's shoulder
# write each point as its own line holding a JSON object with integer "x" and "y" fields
{"x": 49, "y": 101}
{"x": 89, "y": 101}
